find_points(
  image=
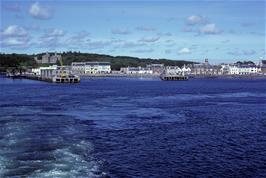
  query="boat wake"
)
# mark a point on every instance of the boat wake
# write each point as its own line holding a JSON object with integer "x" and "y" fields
{"x": 57, "y": 148}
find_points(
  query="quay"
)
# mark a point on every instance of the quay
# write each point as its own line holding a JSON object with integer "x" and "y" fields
{"x": 173, "y": 77}
{"x": 54, "y": 74}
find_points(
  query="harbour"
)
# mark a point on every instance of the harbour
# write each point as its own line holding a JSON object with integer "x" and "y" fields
{"x": 93, "y": 129}
{"x": 132, "y": 89}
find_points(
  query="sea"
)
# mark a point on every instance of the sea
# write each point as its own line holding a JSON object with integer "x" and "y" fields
{"x": 133, "y": 127}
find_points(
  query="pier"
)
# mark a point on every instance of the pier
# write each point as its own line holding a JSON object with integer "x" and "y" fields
{"x": 173, "y": 77}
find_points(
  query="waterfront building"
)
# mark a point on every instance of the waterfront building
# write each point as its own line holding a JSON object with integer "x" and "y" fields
{"x": 78, "y": 67}
{"x": 248, "y": 70}
{"x": 233, "y": 70}
{"x": 225, "y": 70}
{"x": 48, "y": 72}
{"x": 206, "y": 69}
{"x": 243, "y": 69}
{"x": 262, "y": 67}
{"x": 91, "y": 67}
{"x": 173, "y": 70}
{"x": 186, "y": 70}
{"x": 136, "y": 70}
{"x": 157, "y": 69}
{"x": 36, "y": 71}
{"x": 51, "y": 71}
{"x": 48, "y": 59}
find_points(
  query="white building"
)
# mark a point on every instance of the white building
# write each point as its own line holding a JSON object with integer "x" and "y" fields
{"x": 225, "y": 70}
{"x": 54, "y": 70}
{"x": 91, "y": 67}
{"x": 243, "y": 70}
{"x": 173, "y": 70}
{"x": 136, "y": 70}
{"x": 78, "y": 67}
{"x": 36, "y": 71}
{"x": 48, "y": 72}
{"x": 248, "y": 70}
{"x": 186, "y": 70}
{"x": 233, "y": 70}
{"x": 157, "y": 69}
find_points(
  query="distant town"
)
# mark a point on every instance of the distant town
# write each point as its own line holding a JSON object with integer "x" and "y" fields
{"x": 56, "y": 71}
{"x": 205, "y": 68}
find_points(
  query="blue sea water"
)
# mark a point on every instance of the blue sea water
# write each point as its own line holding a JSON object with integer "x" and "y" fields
{"x": 130, "y": 127}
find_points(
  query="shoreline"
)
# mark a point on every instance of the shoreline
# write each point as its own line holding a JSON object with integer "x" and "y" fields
{"x": 155, "y": 76}
{"x": 190, "y": 76}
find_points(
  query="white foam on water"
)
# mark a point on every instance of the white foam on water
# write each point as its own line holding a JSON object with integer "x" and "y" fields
{"x": 75, "y": 160}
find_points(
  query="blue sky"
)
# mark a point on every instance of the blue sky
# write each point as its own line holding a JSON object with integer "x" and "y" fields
{"x": 222, "y": 31}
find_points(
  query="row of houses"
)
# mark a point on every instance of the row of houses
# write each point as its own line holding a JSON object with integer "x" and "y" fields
{"x": 91, "y": 68}
{"x": 204, "y": 69}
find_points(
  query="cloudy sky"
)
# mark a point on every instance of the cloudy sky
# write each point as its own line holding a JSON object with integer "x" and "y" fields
{"x": 219, "y": 30}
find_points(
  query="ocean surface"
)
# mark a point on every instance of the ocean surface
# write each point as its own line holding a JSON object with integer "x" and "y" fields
{"x": 133, "y": 127}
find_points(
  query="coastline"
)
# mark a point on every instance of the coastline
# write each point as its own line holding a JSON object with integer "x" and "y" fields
{"x": 190, "y": 76}
{"x": 158, "y": 76}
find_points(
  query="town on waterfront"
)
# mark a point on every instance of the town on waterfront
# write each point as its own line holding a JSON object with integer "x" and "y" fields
{"x": 49, "y": 70}
{"x": 132, "y": 89}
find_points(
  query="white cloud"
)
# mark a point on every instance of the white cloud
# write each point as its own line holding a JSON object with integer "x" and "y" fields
{"x": 120, "y": 32}
{"x": 78, "y": 40}
{"x": 52, "y": 38}
{"x": 184, "y": 51}
{"x": 39, "y": 12}
{"x": 209, "y": 29}
{"x": 14, "y": 37}
{"x": 149, "y": 39}
{"x": 196, "y": 19}
{"x": 12, "y": 42}
{"x": 14, "y": 30}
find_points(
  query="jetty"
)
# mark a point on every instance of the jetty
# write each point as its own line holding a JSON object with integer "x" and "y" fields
{"x": 173, "y": 73}
{"x": 173, "y": 77}
{"x": 54, "y": 74}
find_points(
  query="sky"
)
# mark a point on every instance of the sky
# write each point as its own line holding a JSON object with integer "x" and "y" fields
{"x": 220, "y": 30}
